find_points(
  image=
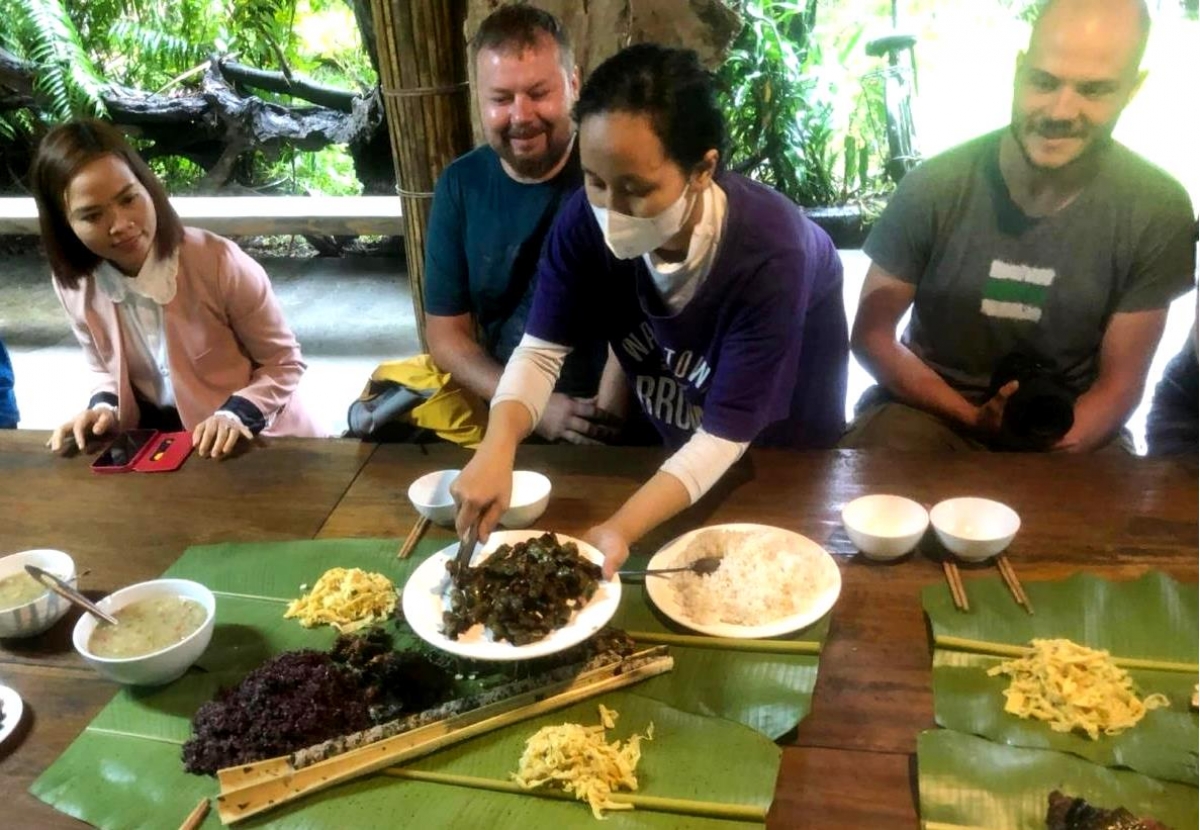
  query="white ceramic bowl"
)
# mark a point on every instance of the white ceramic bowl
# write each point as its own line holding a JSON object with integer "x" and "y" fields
{"x": 38, "y": 614}
{"x": 430, "y": 495}
{"x": 974, "y": 529}
{"x": 161, "y": 666}
{"x": 884, "y": 527}
{"x": 530, "y": 495}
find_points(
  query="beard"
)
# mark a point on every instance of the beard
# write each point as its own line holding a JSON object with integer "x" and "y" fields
{"x": 533, "y": 166}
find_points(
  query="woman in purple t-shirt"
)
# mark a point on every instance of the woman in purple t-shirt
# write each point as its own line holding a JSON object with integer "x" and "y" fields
{"x": 721, "y": 302}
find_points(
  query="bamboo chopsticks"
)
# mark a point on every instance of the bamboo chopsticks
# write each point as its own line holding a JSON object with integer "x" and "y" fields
{"x": 196, "y": 817}
{"x": 1008, "y": 650}
{"x": 957, "y": 591}
{"x": 683, "y": 806}
{"x": 1014, "y": 584}
{"x": 414, "y": 536}
{"x": 728, "y": 643}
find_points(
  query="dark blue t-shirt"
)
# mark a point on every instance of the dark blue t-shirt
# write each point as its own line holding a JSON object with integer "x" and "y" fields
{"x": 486, "y": 233}
{"x": 759, "y": 354}
{"x": 8, "y": 400}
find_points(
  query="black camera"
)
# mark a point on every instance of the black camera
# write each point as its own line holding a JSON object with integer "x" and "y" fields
{"x": 1042, "y": 409}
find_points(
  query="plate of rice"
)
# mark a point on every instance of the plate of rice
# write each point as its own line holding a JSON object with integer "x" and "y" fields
{"x": 771, "y": 581}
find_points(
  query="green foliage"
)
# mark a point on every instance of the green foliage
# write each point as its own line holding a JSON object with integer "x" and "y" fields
{"x": 41, "y": 31}
{"x": 794, "y": 121}
{"x": 81, "y": 45}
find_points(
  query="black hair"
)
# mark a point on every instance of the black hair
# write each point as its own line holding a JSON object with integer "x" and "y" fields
{"x": 519, "y": 27}
{"x": 669, "y": 86}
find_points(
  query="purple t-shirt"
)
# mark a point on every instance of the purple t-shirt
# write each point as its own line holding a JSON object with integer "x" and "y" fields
{"x": 759, "y": 354}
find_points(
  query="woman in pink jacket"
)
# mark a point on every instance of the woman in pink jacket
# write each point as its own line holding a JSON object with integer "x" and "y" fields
{"x": 180, "y": 326}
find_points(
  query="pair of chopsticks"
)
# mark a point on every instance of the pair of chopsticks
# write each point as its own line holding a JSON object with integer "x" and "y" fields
{"x": 1014, "y": 585}
{"x": 414, "y": 536}
{"x": 959, "y": 593}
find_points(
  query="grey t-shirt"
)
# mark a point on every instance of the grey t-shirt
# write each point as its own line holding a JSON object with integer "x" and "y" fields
{"x": 991, "y": 280}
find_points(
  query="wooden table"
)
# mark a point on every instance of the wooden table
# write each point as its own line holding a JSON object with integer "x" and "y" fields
{"x": 128, "y": 528}
{"x": 850, "y": 764}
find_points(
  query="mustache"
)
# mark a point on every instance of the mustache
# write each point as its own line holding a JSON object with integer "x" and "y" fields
{"x": 523, "y": 132}
{"x": 1048, "y": 128}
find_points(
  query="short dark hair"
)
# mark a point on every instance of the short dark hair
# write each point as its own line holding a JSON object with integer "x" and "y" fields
{"x": 518, "y": 27}
{"x": 671, "y": 87}
{"x": 66, "y": 150}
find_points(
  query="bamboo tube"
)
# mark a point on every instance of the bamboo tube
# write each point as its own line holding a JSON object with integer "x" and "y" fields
{"x": 238, "y": 804}
{"x": 507, "y": 696}
{"x": 422, "y": 69}
{"x": 726, "y": 643}
{"x": 1008, "y": 650}
{"x": 657, "y": 804}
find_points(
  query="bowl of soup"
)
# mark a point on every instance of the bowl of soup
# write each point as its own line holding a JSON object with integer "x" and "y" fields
{"x": 163, "y": 628}
{"x": 28, "y": 608}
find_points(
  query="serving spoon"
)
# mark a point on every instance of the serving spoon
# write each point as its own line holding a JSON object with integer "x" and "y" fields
{"x": 68, "y": 593}
{"x": 703, "y": 566}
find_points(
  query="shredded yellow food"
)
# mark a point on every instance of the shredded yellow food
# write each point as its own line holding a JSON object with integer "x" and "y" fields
{"x": 347, "y": 599}
{"x": 580, "y": 760}
{"x": 1073, "y": 687}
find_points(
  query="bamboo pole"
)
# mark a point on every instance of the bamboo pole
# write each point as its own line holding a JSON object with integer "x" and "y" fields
{"x": 650, "y": 803}
{"x": 423, "y": 75}
{"x": 1007, "y": 650}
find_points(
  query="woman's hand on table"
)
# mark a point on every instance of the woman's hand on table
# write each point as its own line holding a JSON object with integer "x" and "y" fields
{"x": 612, "y": 543}
{"x": 217, "y": 435}
{"x": 90, "y": 422}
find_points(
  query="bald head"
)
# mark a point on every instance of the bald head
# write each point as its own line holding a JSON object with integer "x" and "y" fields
{"x": 1115, "y": 29}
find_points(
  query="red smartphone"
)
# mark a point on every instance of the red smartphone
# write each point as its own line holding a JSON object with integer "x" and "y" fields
{"x": 146, "y": 451}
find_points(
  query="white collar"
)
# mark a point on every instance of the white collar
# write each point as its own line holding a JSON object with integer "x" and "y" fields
{"x": 155, "y": 281}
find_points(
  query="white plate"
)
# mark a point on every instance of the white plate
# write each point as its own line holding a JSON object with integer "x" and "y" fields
{"x": 426, "y": 592}
{"x": 663, "y": 594}
{"x": 13, "y": 709}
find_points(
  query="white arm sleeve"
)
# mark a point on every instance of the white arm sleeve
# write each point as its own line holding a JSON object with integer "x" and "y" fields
{"x": 700, "y": 462}
{"x": 530, "y": 374}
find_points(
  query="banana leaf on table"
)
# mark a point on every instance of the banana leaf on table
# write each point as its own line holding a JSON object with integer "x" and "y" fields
{"x": 768, "y": 692}
{"x": 1152, "y": 617}
{"x": 968, "y": 782}
{"x": 125, "y": 769}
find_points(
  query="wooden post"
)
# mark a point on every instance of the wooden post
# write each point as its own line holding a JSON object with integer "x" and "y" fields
{"x": 423, "y": 75}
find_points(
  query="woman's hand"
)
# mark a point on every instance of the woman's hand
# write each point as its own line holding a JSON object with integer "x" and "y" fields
{"x": 217, "y": 435}
{"x": 90, "y": 422}
{"x": 482, "y": 492}
{"x": 612, "y": 543}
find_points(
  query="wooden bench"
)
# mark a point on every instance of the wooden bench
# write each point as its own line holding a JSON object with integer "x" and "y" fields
{"x": 255, "y": 215}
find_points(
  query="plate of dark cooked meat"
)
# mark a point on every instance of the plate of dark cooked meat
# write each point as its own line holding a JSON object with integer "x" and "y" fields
{"x": 526, "y": 593}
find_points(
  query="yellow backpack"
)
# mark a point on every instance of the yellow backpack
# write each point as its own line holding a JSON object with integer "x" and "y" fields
{"x": 413, "y": 400}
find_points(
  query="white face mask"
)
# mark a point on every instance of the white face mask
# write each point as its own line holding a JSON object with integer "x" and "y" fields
{"x": 629, "y": 237}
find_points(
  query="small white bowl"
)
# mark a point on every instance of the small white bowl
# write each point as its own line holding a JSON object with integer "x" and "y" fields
{"x": 530, "y": 495}
{"x": 430, "y": 495}
{"x": 38, "y": 614}
{"x": 160, "y": 666}
{"x": 974, "y": 529}
{"x": 884, "y": 527}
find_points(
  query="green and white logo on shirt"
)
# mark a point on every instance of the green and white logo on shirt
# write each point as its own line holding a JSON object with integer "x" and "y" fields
{"x": 1016, "y": 292}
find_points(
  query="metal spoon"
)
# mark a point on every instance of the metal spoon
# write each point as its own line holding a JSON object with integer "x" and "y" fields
{"x": 703, "y": 566}
{"x": 68, "y": 593}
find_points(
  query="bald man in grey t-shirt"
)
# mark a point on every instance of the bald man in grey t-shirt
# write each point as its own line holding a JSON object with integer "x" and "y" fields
{"x": 1047, "y": 238}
